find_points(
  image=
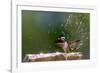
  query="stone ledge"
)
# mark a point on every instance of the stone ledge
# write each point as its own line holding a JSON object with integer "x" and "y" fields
{"x": 58, "y": 56}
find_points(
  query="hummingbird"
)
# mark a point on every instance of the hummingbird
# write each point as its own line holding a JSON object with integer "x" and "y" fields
{"x": 67, "y": 46}
{"x": 63, "y": 44}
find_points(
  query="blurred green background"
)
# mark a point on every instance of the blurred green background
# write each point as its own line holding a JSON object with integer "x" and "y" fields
{"x": 40, "y": 30}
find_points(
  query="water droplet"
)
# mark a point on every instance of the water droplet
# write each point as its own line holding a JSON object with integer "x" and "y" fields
{"x": 41, "y": 53}
{"x": 58, "y": 53}
{"x": 62, "y": 32}
{"x": 69, "y": 16}
{"x": 62, "y": 25}
{"x": 80, "y": 22}
{"x": 81, "y": 44}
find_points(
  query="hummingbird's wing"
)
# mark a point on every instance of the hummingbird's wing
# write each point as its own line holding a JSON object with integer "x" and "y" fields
{"x": 74, "y": 44}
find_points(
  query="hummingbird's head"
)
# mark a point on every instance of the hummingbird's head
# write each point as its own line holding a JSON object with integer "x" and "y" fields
{"x": 61, "y": 39}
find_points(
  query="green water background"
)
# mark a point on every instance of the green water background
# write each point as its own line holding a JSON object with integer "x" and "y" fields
{"x": 40, "y": 30}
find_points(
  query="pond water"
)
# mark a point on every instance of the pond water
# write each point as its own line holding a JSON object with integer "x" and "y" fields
{"x": 40, "y": 30}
